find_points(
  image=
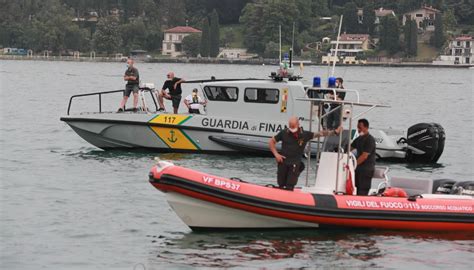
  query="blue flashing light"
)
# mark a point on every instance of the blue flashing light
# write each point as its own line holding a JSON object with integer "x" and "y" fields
{"x": 332, "y": 82}
{"x": 316, "y": 81}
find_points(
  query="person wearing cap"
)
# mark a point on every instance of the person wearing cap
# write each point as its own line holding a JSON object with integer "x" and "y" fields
{"x": 293, "y": 143}
{"x": 132, "y": 78}
{"x": 194, "y": 102}
{"x": 173, "y": 84}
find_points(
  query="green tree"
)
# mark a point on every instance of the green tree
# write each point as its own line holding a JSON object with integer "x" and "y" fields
{"x": 351, "y": 21}
{"x": 275, "y": 13}
{"x": 76, "y": 38}
{"x": 214, "y": 34}
{"x": 449, "y": 20}
{"x": 271, "y": 50}
{"x": 173, "y": 12}
{"x": 154, "y": 38}
{"x": 205, "y": 46}
{"x": 261, "y": 21}
{"x": 107, "y": 37}
{"x": 228, "y": 38}
{"x": 134, "y": 35}
{"x": 320, "y": 8}
{"x": 411, "y": 38}
{"x": 251, "y": 19}
{"x": 368, "y": 23}
{"x": 390, "y": 36}
{"x": 191, "y": 44}
{"x": 439, "y": 38}
{"x": 303, "y": 20}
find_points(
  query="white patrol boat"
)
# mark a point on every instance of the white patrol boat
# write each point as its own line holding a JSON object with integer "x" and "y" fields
{"x": 240, "y": 117}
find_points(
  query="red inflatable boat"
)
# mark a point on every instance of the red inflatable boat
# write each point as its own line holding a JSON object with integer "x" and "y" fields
{"x": 206, "y": 201}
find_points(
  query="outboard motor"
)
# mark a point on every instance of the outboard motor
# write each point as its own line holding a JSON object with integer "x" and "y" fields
{"x": 425, "y": 142}
{"x": 463, "y": 188}
{"x": 443, "y": 186}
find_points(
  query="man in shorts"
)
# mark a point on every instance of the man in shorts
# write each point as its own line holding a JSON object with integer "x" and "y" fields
{"x": 173, "y": 84}
{"x": 133, "y": 79}
{"x": 293, "y": 142}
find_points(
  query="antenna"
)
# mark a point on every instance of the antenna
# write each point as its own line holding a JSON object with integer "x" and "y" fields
{"x": 292, "y": 45}
{"x": 337, "y": 46}
{"x": 280, "y": 43}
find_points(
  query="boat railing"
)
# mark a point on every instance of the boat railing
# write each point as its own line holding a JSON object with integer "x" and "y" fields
{"x": 100, "y": 94}
{"x": 319, "y": 102}
{"x": 324, "y": 90}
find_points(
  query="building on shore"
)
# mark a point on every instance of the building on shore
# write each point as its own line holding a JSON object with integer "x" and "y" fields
{"x": 172, "y": 42}
{"x": 424, "y": 17}
{"x": 351, "y": 47}
{"x": 458, "y": 52}
{"x": 235, "y": 53}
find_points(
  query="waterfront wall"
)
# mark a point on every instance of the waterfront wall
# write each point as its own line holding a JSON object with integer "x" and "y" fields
{"x": 258, "y": 61}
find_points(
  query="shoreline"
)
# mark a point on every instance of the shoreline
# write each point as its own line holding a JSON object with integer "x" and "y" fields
{"x": 221, "y": 61}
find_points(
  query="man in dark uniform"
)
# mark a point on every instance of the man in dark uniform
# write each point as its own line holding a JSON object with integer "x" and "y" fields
{"x": 293, "y": 142}
{"x": 133, "y": 79}
{"x": 365, "y": 146}
{"x": 173, "y": 85}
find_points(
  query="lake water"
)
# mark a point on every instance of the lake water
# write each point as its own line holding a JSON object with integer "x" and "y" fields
{"x": 65, "y": 204}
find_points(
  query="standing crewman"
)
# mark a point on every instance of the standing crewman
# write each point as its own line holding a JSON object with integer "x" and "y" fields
{"x": 173, "y": 84}
{"x": 133, "y": 79}
{"x": 365, "y": 147}
{"x": 293, "y": 142}
{"x": 334, "y": 119}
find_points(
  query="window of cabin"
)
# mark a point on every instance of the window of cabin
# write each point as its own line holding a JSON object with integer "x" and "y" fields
{"x": 262, "y": 95}
{"x": 222, "y": 93}
{"x": 419, "y": 15}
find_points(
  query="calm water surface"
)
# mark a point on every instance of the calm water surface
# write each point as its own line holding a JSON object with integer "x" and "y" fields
{"x": 67, "y": 205}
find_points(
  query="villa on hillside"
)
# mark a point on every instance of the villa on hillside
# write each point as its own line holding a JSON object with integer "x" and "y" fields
{"x": 350, "y": 46}
{"x": 173, "y": 39}
{"x": 459, "y": 52}
{"x": 379, "y": 14}
{"x": 424, "y": 15}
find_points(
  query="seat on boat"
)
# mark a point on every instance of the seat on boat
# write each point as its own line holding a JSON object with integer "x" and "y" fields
{"x": 328, "y": 172}
{"x": 412, "y": 186}
{"x": 378, "y": 179}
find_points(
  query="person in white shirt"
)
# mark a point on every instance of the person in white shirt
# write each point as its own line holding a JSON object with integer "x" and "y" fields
{"x": 194, "y": 102}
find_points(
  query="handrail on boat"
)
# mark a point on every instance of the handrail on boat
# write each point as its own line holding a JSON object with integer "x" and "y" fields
{"x": 333, "y": 90}
{"x": 352, "y": 104}
{"x": 109, "y": 92}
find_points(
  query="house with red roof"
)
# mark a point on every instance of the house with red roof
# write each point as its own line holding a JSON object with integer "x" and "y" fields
{"x": 174, "y": 37}
{"x": 459, "y": 52}
{"x": 351, "y": 44}
{"x": 423, "y": 16}
{"x": 349, "y": 48}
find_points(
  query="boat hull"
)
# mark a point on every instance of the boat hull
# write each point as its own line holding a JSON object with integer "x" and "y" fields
{"x": 201, "y": 214}
{"x": 299, "y": 209}
{"x": 141, "y": 131}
